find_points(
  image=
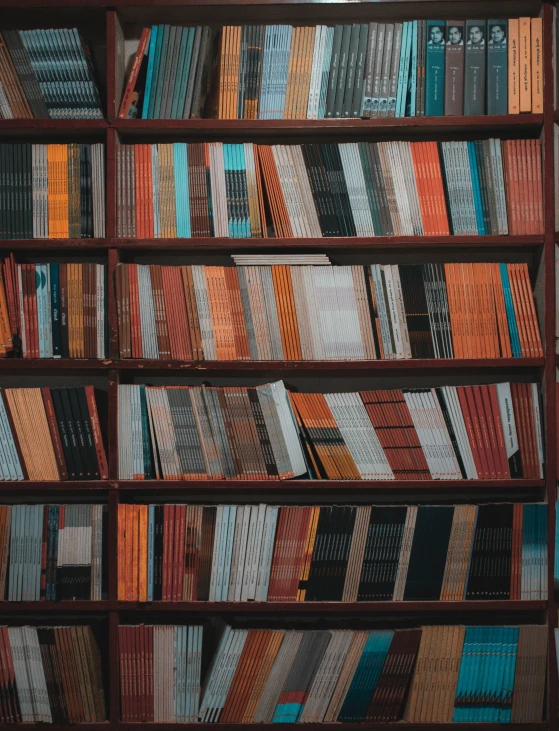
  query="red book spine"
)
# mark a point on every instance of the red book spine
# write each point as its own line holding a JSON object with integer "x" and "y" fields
{"x": 127, "y": 97}
{"x": 96, "y": 431}
{"x": 54, "y": 433}
{"x": 489, "y": 444}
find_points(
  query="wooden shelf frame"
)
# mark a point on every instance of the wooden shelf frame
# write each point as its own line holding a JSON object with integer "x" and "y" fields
{"x": 114, "y": 369}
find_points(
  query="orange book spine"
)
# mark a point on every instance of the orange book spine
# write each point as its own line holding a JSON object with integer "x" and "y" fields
{"x": 513, "y": 67}
{"x": 525, "y": 46}
{"x": 143, "y": 553}
{"x": 537, "y": 65}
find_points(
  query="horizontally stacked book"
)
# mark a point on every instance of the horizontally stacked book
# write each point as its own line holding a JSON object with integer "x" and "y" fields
{"x": 269, "y": 433}
{"x": 51, "y": 434}
{"x": 53, "y": 552}
{"x": 55, "y": 310}
{"x": 52, "y": 191}
{"x": 51, "y": 675}
{"x": 414, "y": 68}
{"x": 388, "y": 311}
{"x": 270, "y": 553}
{"x": 47, "y": 73}
{"x": 313, "y": 190}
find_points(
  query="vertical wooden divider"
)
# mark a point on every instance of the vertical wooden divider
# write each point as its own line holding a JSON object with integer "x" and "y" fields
{"x": 549, "y": 326}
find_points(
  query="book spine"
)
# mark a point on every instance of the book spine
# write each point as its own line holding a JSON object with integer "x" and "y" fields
{"x": 454, "y": 68}
{"x": 497, "y": 67}
{"x": 474, "y": 73}
{"x": 434, "y": 68}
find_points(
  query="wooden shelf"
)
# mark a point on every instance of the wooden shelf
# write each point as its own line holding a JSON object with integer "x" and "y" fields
{"x": 420, "y": 126}
{"x": 313, "y": 486}
{"x": 161, "y": 246}
{"x": 543, "y": 726}
{"x": 227, "y": 367}
{"x": 291, "y": 608}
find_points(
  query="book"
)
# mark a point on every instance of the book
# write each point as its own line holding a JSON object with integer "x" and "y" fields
{"x": 475, "y": 67}
{"x": 422, "y": 563}
{"x": 454, "y": 68}
{"x": 435, "y": 68}
{"x": 321, "y": 312}
{"x": 497, "y": 67}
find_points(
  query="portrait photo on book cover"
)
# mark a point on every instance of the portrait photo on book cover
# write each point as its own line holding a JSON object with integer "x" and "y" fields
{"x": 497, "y": 35}
{"x": 476, "y": 36}
{"x": 454, "y": 36}
{"x": 436, "y": 36}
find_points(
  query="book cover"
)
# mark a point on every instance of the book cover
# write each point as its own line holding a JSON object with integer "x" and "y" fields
{"x": 435, "y": 68}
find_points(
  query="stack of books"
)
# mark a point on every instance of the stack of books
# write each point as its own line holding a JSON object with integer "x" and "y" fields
{"x": 292, "y": 312}
{"x": 51, "y": 434}
{"x": 414, "y": 68}
{"x": 71, "y": 567}
{"x": 312, "y": 190}
{"x": 52, "y": 191}
{"x": 47, "y": 73}
{"x": 242, "y": 553}
{"x": 267, "y": 433}
{"x": 51, "y": 675}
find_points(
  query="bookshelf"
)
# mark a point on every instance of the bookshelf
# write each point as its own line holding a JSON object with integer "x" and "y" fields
{"x": 111, "y": 22}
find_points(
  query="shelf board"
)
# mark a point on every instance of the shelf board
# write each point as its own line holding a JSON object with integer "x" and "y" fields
{"x": 298, "y": 127}
{"x": 313, "y": 486}
{"x": 67, "y": 486}
{"x": 265, "y": 366}
{"x": 330, "y": 243}
{"x": 541, "y": 726}
{"x": 520, "y": 607}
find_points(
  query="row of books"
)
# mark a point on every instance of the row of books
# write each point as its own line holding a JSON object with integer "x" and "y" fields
{"x": 343, "y": 553}
{"x": 388, "y": 311}
{"x": 414, "y": 68}
{"x": 50, "y": 675}
{"x": 160, "y": 672}
{"x": 55, "y": 310}
{"x": 52, "y": 191}
{"x": 312, "y": 190}
{"x": 170, "y": 73}
{"x": 51, "y": 434}
{"x": 429, "y": 674}
{"x": 267, "y": 433}
{"x": 45, "y": 73}
{"x": 52, "y": 552}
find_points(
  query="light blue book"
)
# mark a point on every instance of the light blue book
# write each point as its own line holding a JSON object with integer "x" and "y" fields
{"x": 413, "y": 69}
{"x": 14, "y": 589}
{"x": 326, "y": 62}
{"x": 221, "y": 551}
{"x": 282, "y": 74}
{"x": 149, "y": 73}
{"x": 182, "y": 195}
{"x": 270, "y": 39}
{"x": 151, "y": 537}
{"x": 156, "y": 69}
{"x": 403, "y": 69}
{"x": 462, "y": 685}
{"x": 155, "y": 189}
{"x": 228, "y": 553}
{"x": 164, "y": 61}
{"x": 8, "y": 443}
{"x": 509, "y": 308}
{"x": 62, "y": 79}
{"x": 476, "y": 190}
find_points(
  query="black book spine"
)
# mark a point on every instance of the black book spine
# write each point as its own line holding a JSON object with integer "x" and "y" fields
{"x": 71, "y": 430}
{"x": 80, "y": 433}
{"x": 315, "y": 189}
{"x": 88, "y": 435}
{"x": 158, "y": 554}
{"x": 428, "y": 554}
{"x": 67, "y": 445}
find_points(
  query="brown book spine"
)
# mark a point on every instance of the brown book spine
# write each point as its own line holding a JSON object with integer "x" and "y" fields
{"x": 454, "y": 69}
{"x": 96, "y": 432}
{"x": 54, "y": 433}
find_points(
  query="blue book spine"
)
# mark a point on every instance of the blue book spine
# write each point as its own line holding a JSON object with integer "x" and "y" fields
{"x": 413, "y": 71}
{"x": 156, "y": 70}
{"x": 182, "y": 197}
{"x": 476, "y": 189}
{"x": 267, "y": 56}
{"x": 511, "y": 651}
{"x": 283, "y": 75}
{"x": 402, "y": 70}
{"x": 149, "y": 73}
{"x": 511, "y": 317}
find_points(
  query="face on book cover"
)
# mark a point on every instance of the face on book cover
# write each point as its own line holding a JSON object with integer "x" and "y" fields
{"x": 498, "y": 36}
{"x": 454, "y": 36}
{"x": 476, "y": 36}
{"x": 436, "y": 36}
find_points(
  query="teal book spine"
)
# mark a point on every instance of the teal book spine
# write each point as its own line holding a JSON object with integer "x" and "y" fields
{"x": 511, "y": 317}
{"x": 434, "y": 68}
{"x": 156, "y": 70}
{"x": 184, "y": 73}
{"x": 178, "y": 78}
{"x": 150, "y": 71}
{"x": 474, "y": 68}
{"x": 163, "y": 61}
{"x": 476, "y": 189}
{"x": 412, "y": 79}
{"x": 510, "y": 651}
{"x": 403, "y": 70}
{"x": 182, "y": 197}
{"x": 497, "y": 67}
